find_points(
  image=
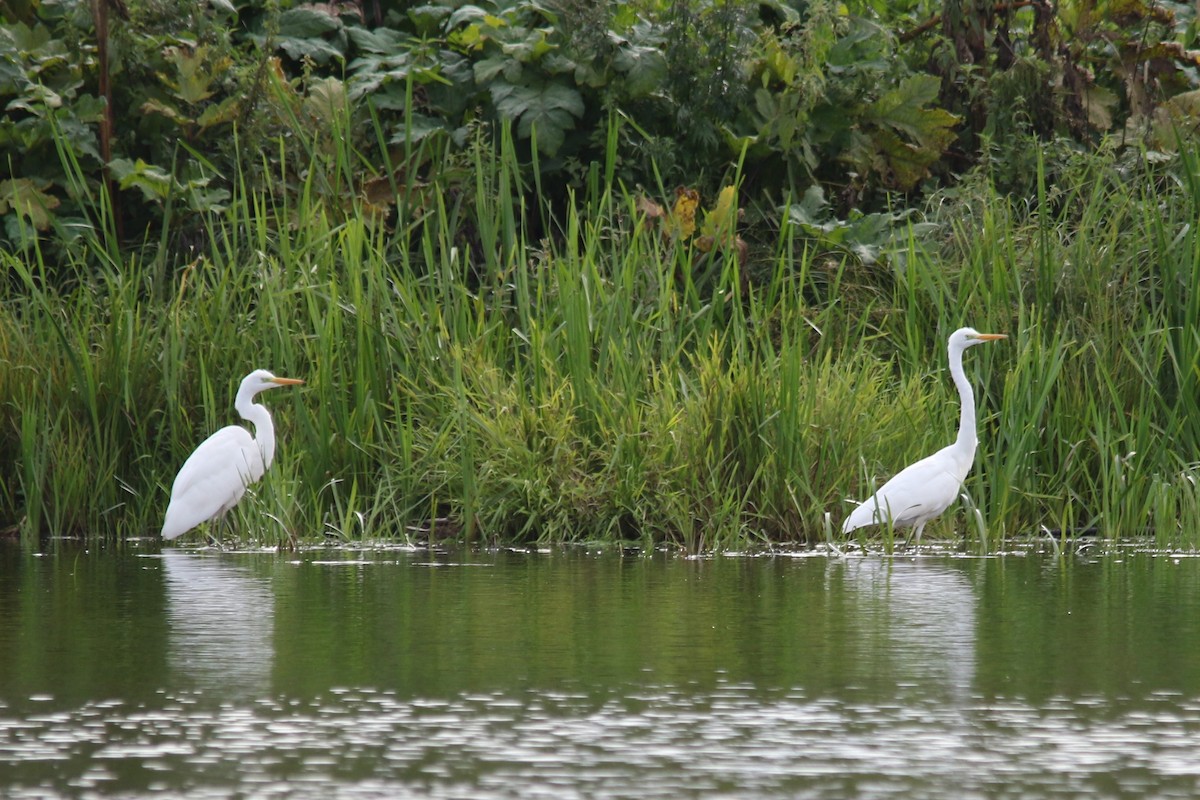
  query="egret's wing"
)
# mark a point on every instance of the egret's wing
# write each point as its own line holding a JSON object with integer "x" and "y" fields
{"x": 918, "y": 493}
{"x": 212, "y": 480}
{"x": 921, "y": 494}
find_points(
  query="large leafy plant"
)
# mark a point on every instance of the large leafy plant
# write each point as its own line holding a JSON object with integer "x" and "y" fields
{"x": 861, "y": 99}
{"x": 43, "y": 87}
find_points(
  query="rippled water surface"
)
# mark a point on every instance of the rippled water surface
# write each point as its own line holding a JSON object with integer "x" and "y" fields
{"x": 397, "y": 673}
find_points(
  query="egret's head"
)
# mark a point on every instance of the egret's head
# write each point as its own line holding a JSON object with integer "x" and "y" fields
{"x": 261, "y": 380}
{"x": 963, "y": 338}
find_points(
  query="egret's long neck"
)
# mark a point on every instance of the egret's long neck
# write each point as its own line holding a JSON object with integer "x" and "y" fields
{"x": 264, "y": 429}
{"x": 967, "y": 438}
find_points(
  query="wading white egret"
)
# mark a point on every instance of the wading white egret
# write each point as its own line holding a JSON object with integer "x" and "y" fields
{"x": 216, "y": 474}
{"x": 925, "y": 489}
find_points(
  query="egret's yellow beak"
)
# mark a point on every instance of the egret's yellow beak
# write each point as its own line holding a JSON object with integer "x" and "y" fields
{"x": 287, "y": 381}
{"x": 989, "y": 337}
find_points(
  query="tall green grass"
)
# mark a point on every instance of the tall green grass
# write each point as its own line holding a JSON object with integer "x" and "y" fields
{"x": 605, "y": 383}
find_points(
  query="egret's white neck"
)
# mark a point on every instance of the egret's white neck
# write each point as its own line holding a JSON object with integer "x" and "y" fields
{"x": 258, "y": 416}
{"x": 967, "y": 437}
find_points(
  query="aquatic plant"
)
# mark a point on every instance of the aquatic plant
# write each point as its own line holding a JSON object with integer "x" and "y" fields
{"x": 612, "y": 380}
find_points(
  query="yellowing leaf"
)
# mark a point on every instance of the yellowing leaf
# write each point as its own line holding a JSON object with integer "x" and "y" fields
{"x": 651, "y": 209}
{"x": 682, "y": 223}
{"x": 1172, "y": 122}
{"x": 719, "y": 231}
{"x": 1099, "y": 103}
{"x": 170, "y": 112}
{"x": 194, "y": 73}
{"x": 779, "y": 62}
{"x": 720, "y": 222}
{"x": 469, "y": 38}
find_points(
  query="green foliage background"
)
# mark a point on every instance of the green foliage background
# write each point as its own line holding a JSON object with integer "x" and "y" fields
{"x": 439, "y": 215}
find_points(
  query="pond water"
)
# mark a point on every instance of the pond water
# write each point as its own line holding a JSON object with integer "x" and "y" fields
{"x": 411, "y": 673}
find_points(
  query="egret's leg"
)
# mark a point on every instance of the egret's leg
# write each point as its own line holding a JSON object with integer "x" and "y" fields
{"x": 917, "y": 535}
{"x": 222, "y": 525}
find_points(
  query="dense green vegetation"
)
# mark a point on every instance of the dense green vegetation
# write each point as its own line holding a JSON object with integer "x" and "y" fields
{"x": 459, "y": 224}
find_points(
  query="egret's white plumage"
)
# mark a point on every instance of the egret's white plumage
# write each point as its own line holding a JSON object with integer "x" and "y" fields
{"x": 925, "y": 489}
{"x": 216, "y": 474}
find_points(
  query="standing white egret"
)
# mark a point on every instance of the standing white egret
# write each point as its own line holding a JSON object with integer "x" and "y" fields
{"x": 925, "y": 489}
{"x": 216, "y": 474}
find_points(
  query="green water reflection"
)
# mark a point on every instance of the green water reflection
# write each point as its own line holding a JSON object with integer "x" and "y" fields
{"x": 86, "y": 625}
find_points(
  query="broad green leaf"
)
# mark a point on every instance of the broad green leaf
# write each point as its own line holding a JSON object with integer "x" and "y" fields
{"x": 16, "y": 229}
{"x": 155, "y": 183}
{"x": 35, "y": 99}
{"x": 21, "y": 37}
{"x": 428, "y": 18}
{"x": 363, "y": 84}
{"x": 49, "y": 61}
{"x": 306, "y": 23}
{"x": 326, "y": 100}
{"x": 384, "y": 96}
{"x": 88, "y": 108}
{"x": 550, "y": 108}
{"x": 222, "y": 113}
{"x": 903, "y": 109}
{"x": 869, "y": 237}
{"x": 862, "y": 45}
{"x": 586, "y": 73}
{"x": 530, "y": 49}
{"x": 645, "y": 69}
{"x": 466, "y": 14}
{"x": 811, "y": 207}
{"x": 11, "y": 77}
{"x": 419, "y": 127}
{"x": 456, "y": 69}
{"x": 907, "y": 162}
{"x": 905, "y": 137}
{"x": 624, "y": 16}
{"x": 487, "y": 70}
{"x": 202, "y": 198}
{"x": 318, "y": 50}
{"x": 81, "y": 135}
{"x": 29, "y": 200}
{"x": 785, "y": 10}
{"x": 383, "y": 41}
{"x": 863, "y": 152}
{"x": 555, "y": 63}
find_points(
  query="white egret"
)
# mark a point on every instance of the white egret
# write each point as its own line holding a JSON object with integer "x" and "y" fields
{"x": 923, "y": 490}
{"x": 216, "y": 474}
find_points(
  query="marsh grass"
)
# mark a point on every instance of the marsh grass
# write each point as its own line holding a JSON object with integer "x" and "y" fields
{"x": 605, "y": 383}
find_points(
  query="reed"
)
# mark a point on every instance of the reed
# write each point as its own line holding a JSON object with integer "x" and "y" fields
{"x": 605, "y": 383}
